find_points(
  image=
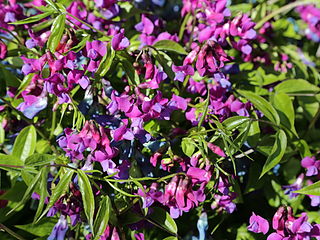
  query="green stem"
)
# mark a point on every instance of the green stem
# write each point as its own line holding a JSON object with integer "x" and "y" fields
{"x": 87, "y": 24}
{"x": 12, "y": 233}
{"x": 53, "y": 124}
{"x": 11, "y": 33}
{"x": 285, "y": 8}
{"x": 20, "y": 45}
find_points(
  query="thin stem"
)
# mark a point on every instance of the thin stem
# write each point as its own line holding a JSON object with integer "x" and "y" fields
{"x": 12, "y": 233}
{"x": 285, "y": 8}
{"x": 20, "y": 45}
{"x": 159, "y": 226}
{"x": 11, "y": 33}
{"x": 194, "y": 20}
{"x": 53, "y": 124}
{"x": 87, "y": 24}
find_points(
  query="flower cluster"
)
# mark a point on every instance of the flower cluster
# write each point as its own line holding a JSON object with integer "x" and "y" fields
{"x": 311, "y": 15}
{"x": 151, "y": 117}
{"x": 286, "y": 226}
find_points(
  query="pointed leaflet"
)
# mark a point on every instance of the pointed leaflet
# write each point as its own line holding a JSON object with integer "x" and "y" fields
{"x": 164, "y": 219}
{"x": 61, "y": 188}
{"x": 102, "y": 219}
{"x": 29, "y": 191}
{"x": 41, "y": 229}
{"x": 131, "y": 72}
{"x": 165, "y": 61}
{"x": 234, "y": 122}
{"x": 283, "y": 104}
{"x": 10, "y": 163}
{"x": 188, "y": 146}
{"x": 296, "y": 86}
{"x": 87, "y": 196}
{"x": 277, "y": 152}
{"x": 57, "y": 30}
{"x": 263, "y": 105}
{"x": 32, "y": 19}
{"x": 106, "y": 61}
{"x": 42, "y": 191}
{"x": 38, "y": 159}
{"x": 170, "y": 46}
{"x": 25, "y": 143}
{"x": 313, "y": 189}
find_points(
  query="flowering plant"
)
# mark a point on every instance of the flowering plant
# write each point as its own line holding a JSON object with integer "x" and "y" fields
{"x": 160, "y": 119}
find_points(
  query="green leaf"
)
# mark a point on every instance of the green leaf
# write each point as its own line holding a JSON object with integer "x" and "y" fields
{"x": 313, "y": 189}
{"x": 263, "y": 105}
{"x": 43, "y": 146}
{"x": 303, "y": 147}
{"x": 170, "y": 46}
{"x": 15, "y": 193}
{"x": 42, "y": 192}
{"x": 131, "y": 72}
{"x": 106, "y": 61}
{"x": 102, "y": 218}
{"x": 81, "y": 44}
{"x": 38, "y": 159}
{"x": 234, "y": 122}
{"x": 60, "y": 189}
{"x": 164, "y": 219}
{"x": 7, "y": 79}
{"x": 187, "y": 146}
{"x": 25, "y": 143}
{"x": 57, "y": 30}
{"x": 152, "y": 127}
{"x": 296, "y": 86}
{"x": 284, "y": 106}
{"x": 29, "y": 190}
{"x": 165, "y": 61}
{"x": 87, "y": 196}
{"x": 32, "y": 19}
{"x": 277, "y": 152}
{"x": 170, "y": 238}
{"x": 41, "y": 229}
{"x": 10, "y": 163}
{"x": 25, "y": 82}
{"x": 254, "y": 132}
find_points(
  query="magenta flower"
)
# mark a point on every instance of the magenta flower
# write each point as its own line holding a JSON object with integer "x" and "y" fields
{"x": 145, "y": 26}
{"x": 182, "y": 72}
{"x": 94, "y": 50}
{"x": 32, "y": 105}
{"x": 3, "y": 50}
{"x": 312, "y": 165}
{"x": 119, "y": 41}
{"x": 258, "y": 224}
{"x": 217, "y": 150}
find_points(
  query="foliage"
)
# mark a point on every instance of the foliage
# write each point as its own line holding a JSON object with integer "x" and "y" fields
{"x": 159, "y": 119}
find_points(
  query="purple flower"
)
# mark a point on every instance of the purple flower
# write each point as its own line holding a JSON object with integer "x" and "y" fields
{"x": 59, "y": 230}
{"x": 32, "y": 105}
{"x": 3, "y": 50}
{"x": 289, "y": 189}
{"x": 111, "y": 12}
{"x": 258, "y": 224}
{"x": 311, "y": 165}
{"x": 139, "y": 236}
{"x": 119, "y": 41}
{"x": 145, "y": 26}
{"x": 95, "y": 50}
{"x": 182, "y": 72}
